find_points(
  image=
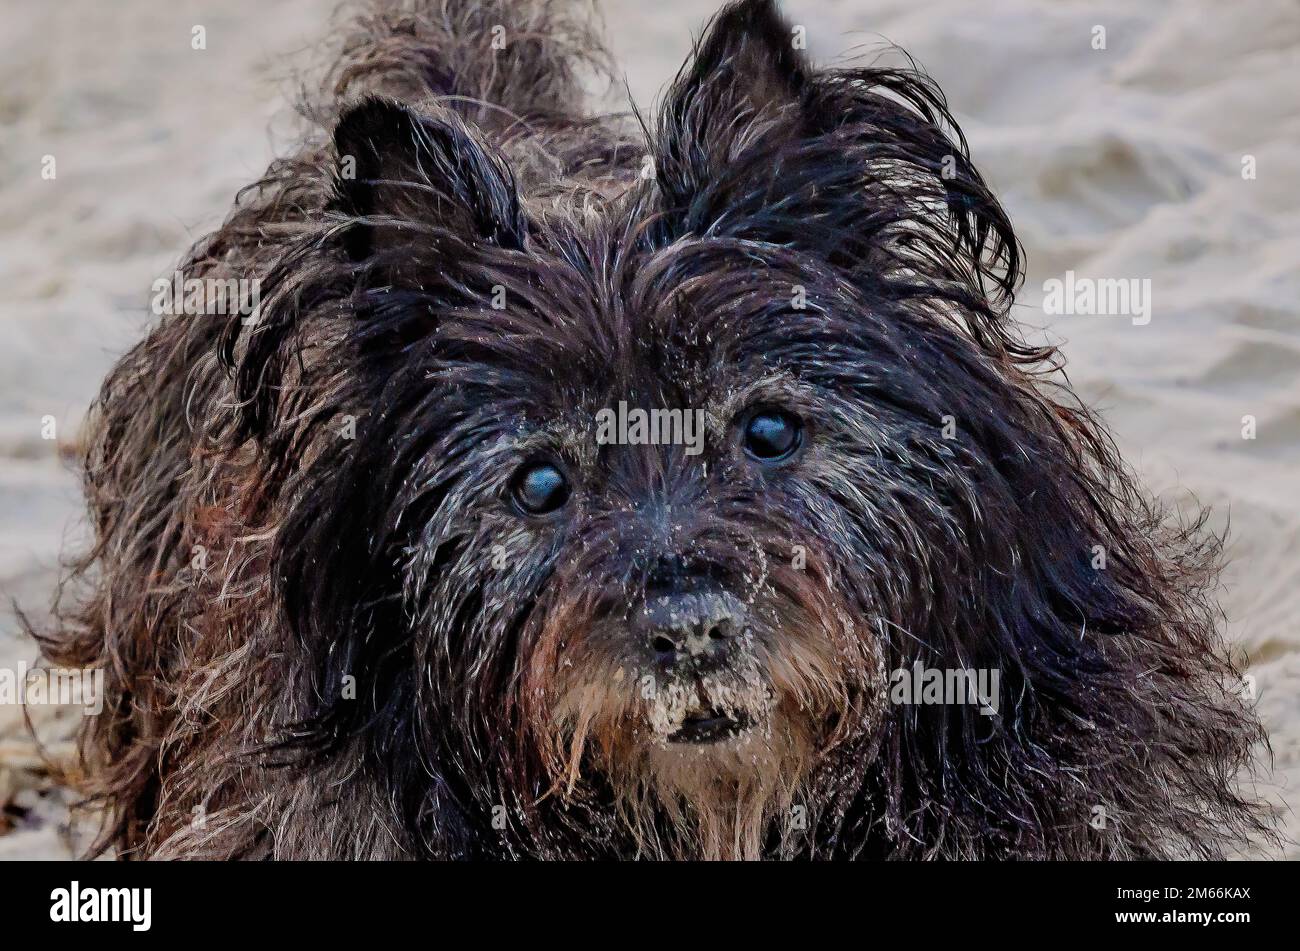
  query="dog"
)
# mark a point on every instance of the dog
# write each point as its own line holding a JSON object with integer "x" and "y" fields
{"x": 584, "y": 487}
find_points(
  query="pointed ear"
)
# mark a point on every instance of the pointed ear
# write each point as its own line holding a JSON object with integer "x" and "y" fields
{"x": 864, "y": 168}
{"x": 744, "y": 79}
{"x": 403, "y": 175}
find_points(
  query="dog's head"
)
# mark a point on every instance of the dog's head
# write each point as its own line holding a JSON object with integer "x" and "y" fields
{"x": 618, "y": 509}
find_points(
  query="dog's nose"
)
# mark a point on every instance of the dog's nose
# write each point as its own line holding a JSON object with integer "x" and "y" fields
{"x": 698, "y": 628}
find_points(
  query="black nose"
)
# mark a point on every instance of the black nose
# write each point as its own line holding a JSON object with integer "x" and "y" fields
{"x": 700, "y": 628}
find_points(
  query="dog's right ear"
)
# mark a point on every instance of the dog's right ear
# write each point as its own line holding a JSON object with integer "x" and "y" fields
{"x": 744, "y": 82}
{"x": 403, "y": 176}
{"x": 864, "y": 168}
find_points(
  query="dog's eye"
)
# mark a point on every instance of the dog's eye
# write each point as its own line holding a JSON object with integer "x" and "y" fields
{"x": 539, "y": 487}
{"x": 773, "y": 435}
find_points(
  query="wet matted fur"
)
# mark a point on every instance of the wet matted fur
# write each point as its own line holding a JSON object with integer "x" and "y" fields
{"x": 327, "y": 632}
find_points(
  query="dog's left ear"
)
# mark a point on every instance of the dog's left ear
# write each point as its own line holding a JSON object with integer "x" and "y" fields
{"x": 403, "y": 174}
{"x": 857, "y": 166}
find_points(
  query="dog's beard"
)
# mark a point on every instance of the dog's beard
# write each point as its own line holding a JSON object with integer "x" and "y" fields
{"x": 736, "y": 794}
{"x": 718, "y": 801}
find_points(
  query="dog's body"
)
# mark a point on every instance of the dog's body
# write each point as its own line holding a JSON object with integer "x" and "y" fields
{"x": 368, "y": 584}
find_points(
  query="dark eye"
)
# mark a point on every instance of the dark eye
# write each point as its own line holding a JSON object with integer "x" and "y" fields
{"x": 540, "y": 487}
{"x": 773, "y": 435}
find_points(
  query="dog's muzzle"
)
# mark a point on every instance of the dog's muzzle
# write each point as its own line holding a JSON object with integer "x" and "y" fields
{"x": 696, "y": 632}
{"x": 691, "y": 636}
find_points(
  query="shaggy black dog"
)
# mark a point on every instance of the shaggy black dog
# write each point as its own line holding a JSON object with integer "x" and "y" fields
{"x": 573, "y": 492}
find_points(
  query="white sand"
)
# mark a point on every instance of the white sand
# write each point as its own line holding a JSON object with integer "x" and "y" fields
{"x": 1123, "y": 162}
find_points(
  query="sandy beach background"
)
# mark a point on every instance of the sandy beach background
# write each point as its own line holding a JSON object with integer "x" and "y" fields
{"x": 1172, "y": 154}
